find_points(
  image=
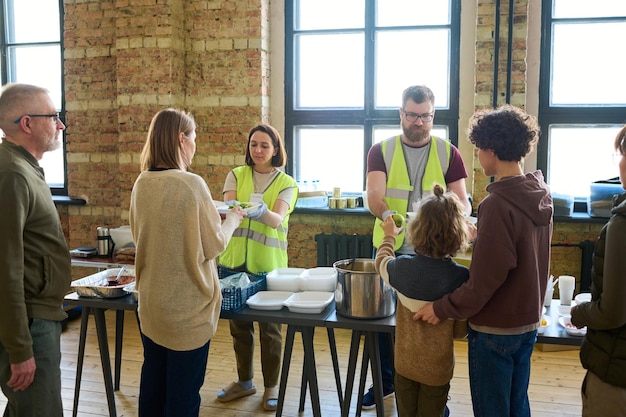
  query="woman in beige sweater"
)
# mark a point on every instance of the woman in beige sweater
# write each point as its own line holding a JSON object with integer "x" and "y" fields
{"x": 178, "y": 233}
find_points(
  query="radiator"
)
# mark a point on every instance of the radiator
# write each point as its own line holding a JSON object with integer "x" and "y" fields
{"x": 334, "y": 247}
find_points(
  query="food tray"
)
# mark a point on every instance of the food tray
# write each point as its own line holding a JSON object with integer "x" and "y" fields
{"x": 132, "y": 289}
{"x": 234, "y": 299}
{"x": 268, "y": 300}
{"x": 225, "y": 209}
{"x": 566, "y": 322}
{"x": 285, "y": 279}
{"x": 309, "y": 302}
{"x": 96, "y": 285}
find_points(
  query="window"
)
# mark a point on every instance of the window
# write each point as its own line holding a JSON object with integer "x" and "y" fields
{"x": 346, "y": 65}
{"x": 31, "y": 53}
{"x": 582, "y": 102}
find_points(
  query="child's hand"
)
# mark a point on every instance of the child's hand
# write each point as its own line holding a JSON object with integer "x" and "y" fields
{"x": 390, "y": 228}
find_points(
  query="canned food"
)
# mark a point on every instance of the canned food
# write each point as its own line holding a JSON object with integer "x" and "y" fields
{"x": 351, "y": 202}
{"x": 336, "y": 192}
{"x": 332, "y": 202}
{"x": 342, "y": 203}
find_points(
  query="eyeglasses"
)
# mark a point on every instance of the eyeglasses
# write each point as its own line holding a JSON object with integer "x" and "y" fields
{"x": 412, "y": 117}
{"x": 56, "y": 116}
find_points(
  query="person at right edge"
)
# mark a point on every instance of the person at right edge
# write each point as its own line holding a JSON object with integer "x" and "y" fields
{"x": 504, "y": 295}
{"x": 603, "y": 351}
{"x": 400, "y": 171}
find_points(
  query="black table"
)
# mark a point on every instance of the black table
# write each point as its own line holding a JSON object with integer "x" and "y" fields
{"x": 305, "y": 324}
{"x": 98, "y": 306}
{"x": 555, "y": 334}
{"x": 369, "y": 328}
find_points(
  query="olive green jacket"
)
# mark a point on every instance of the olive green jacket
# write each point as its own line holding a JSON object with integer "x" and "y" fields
{"x": 34, "y": 260}
{"x": 603, "y": 351}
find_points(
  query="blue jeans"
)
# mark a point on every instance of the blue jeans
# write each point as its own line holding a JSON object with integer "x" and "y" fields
{"x": 171, "y": 380}
{"x": 499, "y": 371}
{"x": 43, "y": 396}
{"x": 386, "y": 359}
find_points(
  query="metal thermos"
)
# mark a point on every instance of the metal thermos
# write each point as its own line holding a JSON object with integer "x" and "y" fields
{"x": 105, "y": 242}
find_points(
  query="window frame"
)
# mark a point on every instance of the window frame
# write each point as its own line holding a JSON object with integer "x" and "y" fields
{"x": 369, "y": 116}
{"x": 573, "y": 115}
{"x": 6, "y": 69}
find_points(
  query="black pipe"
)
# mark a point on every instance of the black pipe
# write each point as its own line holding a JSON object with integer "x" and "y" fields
{"x": 509, "y": 60}
{"x": 496, "y": 55}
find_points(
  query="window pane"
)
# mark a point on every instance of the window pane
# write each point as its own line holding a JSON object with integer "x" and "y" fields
{"x": 398, "y": 67}
{"x": 582, "y": 8}
{"x": 330, "y": 71}
{"x": 412, "y": 12}
{"x": 23, "y": 16}
{"x": 25, "y": 66}
{"x": 329, "y": 14}
{"x": 383, "y": 132}
{"x": 52, "y": 164}
{"x": 332, "y": 155}
{"x": 586, "y": 68}
{"x": 571, "y": 150}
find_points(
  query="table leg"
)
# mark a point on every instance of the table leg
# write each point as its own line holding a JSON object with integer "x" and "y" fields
{"x": 284, "y": 373}
{"x": 354, "y": 352}
{"x": 303, "y": 387}
{"x": 84, "y": 319}
{"x": 119, "y": 332}
{"x": 363, "y": 378}
{"x": 311, "y": 372}
{"x": 374, "y": 356}
{"x": 103, "y": 345}
{"x": 333, "y": 356}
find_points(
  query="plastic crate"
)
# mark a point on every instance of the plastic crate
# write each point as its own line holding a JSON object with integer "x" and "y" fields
{"x": 234, "y": 299}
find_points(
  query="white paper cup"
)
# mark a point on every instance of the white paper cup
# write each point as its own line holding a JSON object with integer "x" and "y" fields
{"x": 567, "y": 283}
{"x": 548, "y": 299}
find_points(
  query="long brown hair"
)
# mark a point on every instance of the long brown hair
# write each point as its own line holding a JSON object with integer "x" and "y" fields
{"x": 162, "y": 147}
{"x": 440, "y": 228}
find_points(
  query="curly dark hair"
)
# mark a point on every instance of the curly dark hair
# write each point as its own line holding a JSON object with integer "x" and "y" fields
{"x": 508, "y": 131}
{"x": 440, "y": 228}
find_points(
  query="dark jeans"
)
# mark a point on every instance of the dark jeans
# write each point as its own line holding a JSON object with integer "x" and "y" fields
{"x": 386, "y": 360}
{"x": 171, "y": 380}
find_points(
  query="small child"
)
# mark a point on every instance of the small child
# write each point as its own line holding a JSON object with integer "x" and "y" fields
{"x": 424, "y": 354}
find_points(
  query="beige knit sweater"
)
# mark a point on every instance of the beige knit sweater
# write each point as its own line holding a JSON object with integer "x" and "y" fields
{"x": 178, "y": 233}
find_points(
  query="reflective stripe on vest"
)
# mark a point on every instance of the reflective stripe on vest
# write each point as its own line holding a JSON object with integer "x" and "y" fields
{"x": 254, "y": 245}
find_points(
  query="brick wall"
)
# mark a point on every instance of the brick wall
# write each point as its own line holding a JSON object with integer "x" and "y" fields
{"x": 127, "y": 59}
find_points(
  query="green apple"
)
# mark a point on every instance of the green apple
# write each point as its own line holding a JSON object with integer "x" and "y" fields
{"x": 398, "y": 219}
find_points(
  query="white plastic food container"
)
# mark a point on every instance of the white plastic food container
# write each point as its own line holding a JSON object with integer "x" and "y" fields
{"x": 309, "y": 302}
{"x": 284, "y": 279}
{"x": 319, "y": 279}
{"x": 268, "y": 300}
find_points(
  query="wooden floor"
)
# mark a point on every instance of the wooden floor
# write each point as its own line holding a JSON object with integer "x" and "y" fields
{"x": 554, "y": 387}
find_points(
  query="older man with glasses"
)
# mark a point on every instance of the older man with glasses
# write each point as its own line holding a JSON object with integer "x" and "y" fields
{"x": 34, "y": 258}
{"x": 400, "y": 171}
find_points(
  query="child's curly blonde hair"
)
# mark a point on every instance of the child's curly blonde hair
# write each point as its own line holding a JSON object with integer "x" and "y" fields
{"x": 440, "y": 228}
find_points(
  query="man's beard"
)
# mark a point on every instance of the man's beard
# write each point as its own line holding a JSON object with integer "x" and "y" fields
{"x": 415, "y": 134}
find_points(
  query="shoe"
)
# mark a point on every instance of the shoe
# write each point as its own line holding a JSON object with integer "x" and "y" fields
{"x": 368, "y": 398}
{"x": 234, "y": 391}
{"x": 446, "y": 412}
{"x": 270, "y": 399}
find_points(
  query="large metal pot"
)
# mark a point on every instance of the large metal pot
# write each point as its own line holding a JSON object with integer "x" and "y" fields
{"x": 361, "y": 293}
